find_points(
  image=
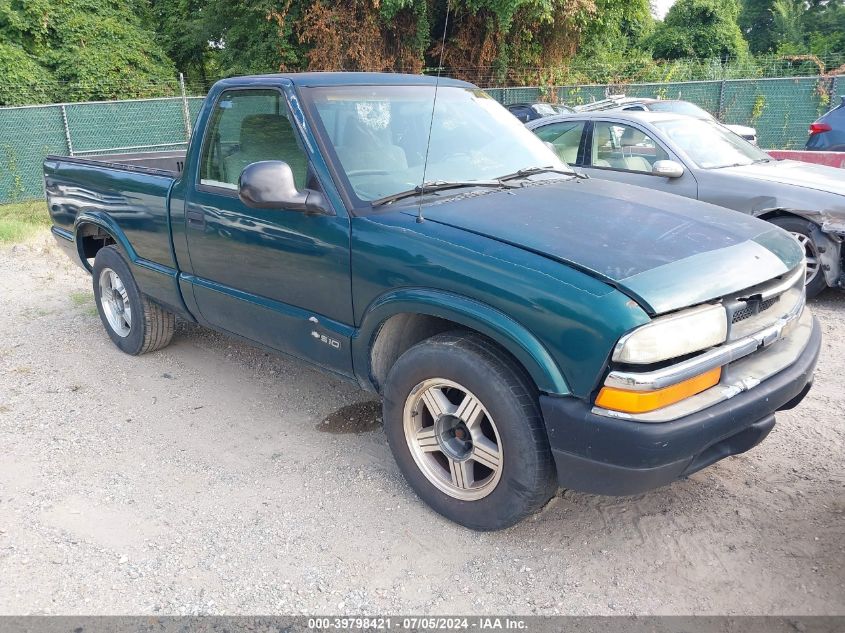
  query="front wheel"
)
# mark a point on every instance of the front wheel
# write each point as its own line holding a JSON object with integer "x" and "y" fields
{"x": 465, "y": 428}
{"x": 803, "y": 231}
{"x": 133, "y": 322}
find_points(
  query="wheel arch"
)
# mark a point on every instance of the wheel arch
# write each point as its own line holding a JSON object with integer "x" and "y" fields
{"x": 830, "y": 245}
{"x": 93, "y": 231}
{"x": 397, "y": 321}
{"x": 769, "y": 214}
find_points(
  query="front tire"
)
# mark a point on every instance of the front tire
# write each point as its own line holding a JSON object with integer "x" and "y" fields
{"x": 803, "y": 231}
{"x": 133, "y": 322}
{"x": 465, "y": 428}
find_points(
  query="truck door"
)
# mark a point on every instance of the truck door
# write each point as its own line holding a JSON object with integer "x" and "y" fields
{"x": 275, "y": 276}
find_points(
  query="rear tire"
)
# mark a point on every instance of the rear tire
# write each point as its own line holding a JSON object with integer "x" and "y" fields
{"x": 133, "y": 322}
{"x": 803, "y": 231}
{"x": 465, "y": 428}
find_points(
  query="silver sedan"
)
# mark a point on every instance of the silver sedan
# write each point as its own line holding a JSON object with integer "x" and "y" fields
{"x": 705, "y": 161}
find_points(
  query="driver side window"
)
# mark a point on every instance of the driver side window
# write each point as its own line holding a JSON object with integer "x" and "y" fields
{"x": 624, "y": 147}
{"x": 248, "y": 126}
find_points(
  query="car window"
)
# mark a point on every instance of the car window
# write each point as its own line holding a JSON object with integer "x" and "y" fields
{"x": 522, "y": 113}
{"x": 709, "y": 145}
{"x": 565, "y": 136}
{"x": 248, "y": 126}
{"x": 544, "y": 109}
{"x": 620, "y": 146}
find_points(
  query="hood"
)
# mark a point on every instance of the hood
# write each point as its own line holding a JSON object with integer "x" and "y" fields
{"x": 796, "y": 174}
{"x": 665, "y": 251}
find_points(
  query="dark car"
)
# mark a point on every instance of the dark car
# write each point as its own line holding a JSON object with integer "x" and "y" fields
{"x": 526, "y": 112}
{"x": 828, "y": 133}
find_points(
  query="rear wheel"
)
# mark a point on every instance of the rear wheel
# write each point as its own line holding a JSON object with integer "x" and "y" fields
{"x": 466, "y": 431}
{"x": 803, "y": 231}
{"x": 133, "y": 322}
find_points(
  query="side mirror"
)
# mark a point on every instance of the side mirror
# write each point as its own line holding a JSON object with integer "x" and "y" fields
{"x": 269, "y": 184}
{"x": 668, "y": 169}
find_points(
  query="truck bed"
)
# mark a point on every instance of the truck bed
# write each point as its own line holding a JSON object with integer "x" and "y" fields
{"x": 130, "y": 189}
{"x": 168, "y": 163}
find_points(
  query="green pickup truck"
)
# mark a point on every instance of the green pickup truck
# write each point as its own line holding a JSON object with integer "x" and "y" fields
{"x": 526, "y": 327}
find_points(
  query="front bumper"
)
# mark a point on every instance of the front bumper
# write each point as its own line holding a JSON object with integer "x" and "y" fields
{"x": 604, "y": 455}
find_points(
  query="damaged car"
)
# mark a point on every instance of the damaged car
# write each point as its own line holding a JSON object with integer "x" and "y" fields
{"x": 702, "y": 160}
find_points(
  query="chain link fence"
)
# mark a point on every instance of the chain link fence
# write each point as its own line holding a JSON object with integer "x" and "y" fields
{"x": 780, "y": 108}
{"x": 29, "y": 133}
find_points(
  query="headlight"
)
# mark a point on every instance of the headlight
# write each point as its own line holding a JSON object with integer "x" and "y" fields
{"x": 673, "y": 336}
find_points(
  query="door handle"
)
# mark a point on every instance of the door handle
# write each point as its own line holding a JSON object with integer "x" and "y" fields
{"x": 196, "y": 219}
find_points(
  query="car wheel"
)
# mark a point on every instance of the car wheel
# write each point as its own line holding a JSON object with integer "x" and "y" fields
{"x": 464, "y": 425}
{"x": 803, "y": 231}
{"x": 133, "y": 322}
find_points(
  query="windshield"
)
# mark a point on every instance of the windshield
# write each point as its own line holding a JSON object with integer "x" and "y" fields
{"x": 379, "y": 136}
{"x": 709, "y": 145}
{"x": 544, "y": 109}
{"x": 680, "y": 107}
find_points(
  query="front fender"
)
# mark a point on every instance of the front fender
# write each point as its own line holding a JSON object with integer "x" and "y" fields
{"x": 496, "y": 325}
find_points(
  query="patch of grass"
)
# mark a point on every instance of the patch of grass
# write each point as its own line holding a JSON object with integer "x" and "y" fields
{"x": 22, "y": 220}
{"x": 81, "y": 298}
{"x": 36, "y": 312}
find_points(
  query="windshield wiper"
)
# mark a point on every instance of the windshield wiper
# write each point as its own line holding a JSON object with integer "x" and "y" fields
{"x": 530, "y": 171}
{"x": 438, "y": 185}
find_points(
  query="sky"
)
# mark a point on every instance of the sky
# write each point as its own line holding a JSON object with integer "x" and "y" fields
{"x": 662, "y": 6}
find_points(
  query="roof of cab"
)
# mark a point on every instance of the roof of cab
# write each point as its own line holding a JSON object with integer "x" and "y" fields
{"x": 314, "y": 79}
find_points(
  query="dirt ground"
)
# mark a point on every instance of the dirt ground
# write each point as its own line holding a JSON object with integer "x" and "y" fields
{"x": 205, "y": 479}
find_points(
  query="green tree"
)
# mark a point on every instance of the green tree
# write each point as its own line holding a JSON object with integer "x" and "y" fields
{"x": 181, "y": 30}
{"x": 24, "y": 79}
{"x": 757, "y": 22}
{"x": 250, "y": 36}
{"x": 824, "y": 26}
{"x": 611, "y": 45}
{"x": 83, "y": 49}
{"x": 616, "y": 27}
{"x": 789, "y": 24}
{"x": 700, "y": 28}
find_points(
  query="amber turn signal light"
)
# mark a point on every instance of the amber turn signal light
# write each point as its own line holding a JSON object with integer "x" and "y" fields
{"x": 644, "y": 401}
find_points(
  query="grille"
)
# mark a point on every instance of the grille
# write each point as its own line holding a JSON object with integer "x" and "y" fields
{"x": 748, "y": 311}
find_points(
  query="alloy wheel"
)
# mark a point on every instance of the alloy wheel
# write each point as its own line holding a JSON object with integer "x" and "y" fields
{"x": 115, "y": 302}
{"x": 811, "y": 253}
{"x": 453, "y": 439}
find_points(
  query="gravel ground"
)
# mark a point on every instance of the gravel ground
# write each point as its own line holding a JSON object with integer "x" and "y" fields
{"x": 214, "y": 478}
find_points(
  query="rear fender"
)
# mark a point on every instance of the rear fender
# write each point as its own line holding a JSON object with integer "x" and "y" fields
{"x": 103, "y": 222}
{"x": 160, "y": 283}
